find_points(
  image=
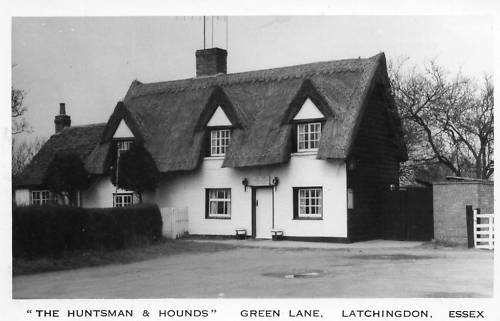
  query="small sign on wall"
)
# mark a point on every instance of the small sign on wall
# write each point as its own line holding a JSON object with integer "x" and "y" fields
{"x": 259, "y": 180}
{"x": 350, "y": 199}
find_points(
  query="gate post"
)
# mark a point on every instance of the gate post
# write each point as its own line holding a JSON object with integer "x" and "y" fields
{"x": 469, "y": 216}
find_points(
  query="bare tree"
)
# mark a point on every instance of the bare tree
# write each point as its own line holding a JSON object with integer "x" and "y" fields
{"x": 447, "y": 120}
{"x": 23, "y": 152}
{"x": 18, "y": 109}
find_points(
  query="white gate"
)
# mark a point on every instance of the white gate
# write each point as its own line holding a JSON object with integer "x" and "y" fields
{"x": 175, "y": 222}
{"x": 484, "y": 231}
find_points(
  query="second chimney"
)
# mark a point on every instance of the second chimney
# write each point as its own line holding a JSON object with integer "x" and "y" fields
{"x": 62, "y": 120}
{"x": 211, "y": 62}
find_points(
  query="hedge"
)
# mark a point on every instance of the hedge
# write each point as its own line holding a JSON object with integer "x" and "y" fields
{"x": 50, "y": 230}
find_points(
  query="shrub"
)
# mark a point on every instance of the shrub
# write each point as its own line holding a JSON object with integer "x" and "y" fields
{"x": 49, "y": 231}
{"x": 137, "y": 171}
{"x": 66, "y": 175}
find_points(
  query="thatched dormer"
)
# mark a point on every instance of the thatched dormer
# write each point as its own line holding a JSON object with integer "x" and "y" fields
{"x": 170, "y": 115}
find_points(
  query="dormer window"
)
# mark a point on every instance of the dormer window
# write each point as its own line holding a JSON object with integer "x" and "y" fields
{"x": 308, "y": 136}
{"x": 123, "y": 138}
{"x": 219, "y": 126}
{"x": 219, "y": 141}
{"x": 122, "y": 146}
{"x": 308, "y": 125}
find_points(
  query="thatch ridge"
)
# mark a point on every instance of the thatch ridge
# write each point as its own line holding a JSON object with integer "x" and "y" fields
{"x": 263, "y": 75}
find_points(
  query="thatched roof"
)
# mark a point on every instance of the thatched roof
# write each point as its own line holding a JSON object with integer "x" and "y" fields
{"x": 77, "y": 139}
{"x": 170, "y": 117}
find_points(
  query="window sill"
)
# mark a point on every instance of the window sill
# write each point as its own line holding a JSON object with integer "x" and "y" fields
{"x": 217, "y": 218}
{"x": 213, "y": 157}
{"x": 312, "y": 152}
{"x": 308, "y": 218}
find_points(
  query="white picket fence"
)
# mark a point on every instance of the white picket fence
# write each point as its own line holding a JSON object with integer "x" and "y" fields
{"x": 175, "y": 222}
{"x": 484, "y": 231}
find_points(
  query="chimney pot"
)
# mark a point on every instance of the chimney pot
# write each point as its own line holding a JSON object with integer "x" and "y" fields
{"x": 211, "y": 62}
{"x": 62, "y": 109}
{"x": 62, "y": 120}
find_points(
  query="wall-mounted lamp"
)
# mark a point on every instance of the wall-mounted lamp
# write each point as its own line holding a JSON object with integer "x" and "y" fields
{"x": 275, "y": 182}
{"x": 392, "y": 187}
{"x": 245, "y": 183}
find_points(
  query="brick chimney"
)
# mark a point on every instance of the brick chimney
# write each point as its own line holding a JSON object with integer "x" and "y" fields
{"x": 211, "y": 62}
{"x": 62, "y": 120}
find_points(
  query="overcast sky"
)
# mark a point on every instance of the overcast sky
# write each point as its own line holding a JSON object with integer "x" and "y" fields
{"x": 89, "y": 63}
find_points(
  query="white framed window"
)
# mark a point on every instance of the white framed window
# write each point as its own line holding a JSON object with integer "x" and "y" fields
{"x": 41, "y": 197}
{"x": 219, "y": 141}
{"x": 218, "y": 203}
{"x": 308, "y": 136}
{"x": 122, "y": 146}
{"x": 309, "y": 203}
{"x": 123, "y": 199}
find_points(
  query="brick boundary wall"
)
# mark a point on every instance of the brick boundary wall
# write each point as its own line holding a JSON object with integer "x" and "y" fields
{"x": 450, "y": 200}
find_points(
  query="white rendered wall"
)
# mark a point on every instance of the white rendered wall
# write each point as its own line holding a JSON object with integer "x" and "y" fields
{"x": 188, "y": 190}
{"x": 22, "y": 196}
{"x": 100, "y": 194}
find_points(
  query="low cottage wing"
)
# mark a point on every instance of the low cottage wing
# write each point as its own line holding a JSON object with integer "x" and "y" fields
{"x": 77, "y": 139}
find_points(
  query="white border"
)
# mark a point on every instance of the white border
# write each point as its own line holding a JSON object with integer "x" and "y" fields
{"x": 228, "y": 309}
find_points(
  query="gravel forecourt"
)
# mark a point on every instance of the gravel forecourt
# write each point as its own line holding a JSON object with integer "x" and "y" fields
{"x": 266, "y": 269}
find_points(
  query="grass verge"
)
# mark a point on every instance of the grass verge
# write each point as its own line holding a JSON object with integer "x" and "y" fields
{"x": 89, "y": 258}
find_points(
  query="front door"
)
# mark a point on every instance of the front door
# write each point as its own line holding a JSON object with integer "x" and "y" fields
{"x": 263, "y": 212}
